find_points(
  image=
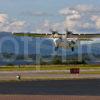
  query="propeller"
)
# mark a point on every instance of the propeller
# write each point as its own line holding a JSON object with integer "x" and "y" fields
{"x": 54, "y": 31}
{"x": 68, "y": 32}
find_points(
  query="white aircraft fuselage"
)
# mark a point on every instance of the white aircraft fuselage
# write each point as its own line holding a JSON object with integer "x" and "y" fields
{"x": 65, "y": 43}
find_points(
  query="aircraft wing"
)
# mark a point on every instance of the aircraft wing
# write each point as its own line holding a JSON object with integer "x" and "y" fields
{"x": 85, "y": 39}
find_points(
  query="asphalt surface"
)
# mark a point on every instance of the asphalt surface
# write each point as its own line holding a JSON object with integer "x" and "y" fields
{"x": 87, "y": 87}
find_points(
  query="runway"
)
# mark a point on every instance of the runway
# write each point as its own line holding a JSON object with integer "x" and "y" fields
{"x": 71, "y": 88}
{"x": 89, "y": 87}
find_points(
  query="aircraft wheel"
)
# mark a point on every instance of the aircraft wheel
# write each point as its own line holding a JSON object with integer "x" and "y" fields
{"x": 56, "y": 48}
{"x": 72, "y": 48}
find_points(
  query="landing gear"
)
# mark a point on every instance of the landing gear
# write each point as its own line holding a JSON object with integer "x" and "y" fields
{"x": 56, "y": 48}
{"x": 72, "y": 45}
{"x": 72, "y": 49}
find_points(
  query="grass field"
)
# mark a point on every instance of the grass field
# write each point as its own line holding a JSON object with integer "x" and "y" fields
{"x": 44, "y": 36}
{"x": 30, "y": 35}
{"x": 48, "y": 72}
{"x": 46, "y": 67}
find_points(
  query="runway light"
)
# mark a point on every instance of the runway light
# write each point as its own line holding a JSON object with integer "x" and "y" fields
{"x": 18, "y": 77}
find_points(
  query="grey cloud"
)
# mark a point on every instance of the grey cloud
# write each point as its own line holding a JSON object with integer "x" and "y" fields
{"x": 37, "y": 14}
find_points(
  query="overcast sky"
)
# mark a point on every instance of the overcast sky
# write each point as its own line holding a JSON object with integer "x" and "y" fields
{"x": 43, "y": 15}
